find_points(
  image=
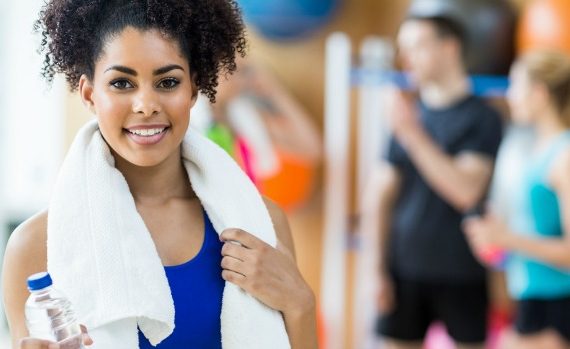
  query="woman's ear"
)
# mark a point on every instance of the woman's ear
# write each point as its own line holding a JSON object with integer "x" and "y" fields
{"x": 194, "y": 88}
{"x": 86, "y": 93}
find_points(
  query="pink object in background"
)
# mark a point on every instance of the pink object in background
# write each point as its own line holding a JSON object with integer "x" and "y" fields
{"x": 245, "y": 157}
{"x": 437, "y": 338}
{"x": 494, "y": 256}
{"x": 499, "y": 321}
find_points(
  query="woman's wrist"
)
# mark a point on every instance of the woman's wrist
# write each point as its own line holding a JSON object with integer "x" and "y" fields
{"x": 507, "y": 240}
{"x": 301, "y": 321}
{"x": 302, "y": 305}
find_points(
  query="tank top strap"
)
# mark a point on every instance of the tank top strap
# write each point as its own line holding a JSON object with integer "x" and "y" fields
{"x": 210, "y": 234}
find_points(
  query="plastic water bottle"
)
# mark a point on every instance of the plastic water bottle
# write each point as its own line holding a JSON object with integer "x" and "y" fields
{"x": 49, "y": 315}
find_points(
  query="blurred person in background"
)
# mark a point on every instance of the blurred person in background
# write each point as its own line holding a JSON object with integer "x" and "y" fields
{"x": 288, "y": 124}
{"x": 536, "y": 236}
{"x": 266, "y": 130}
{"x": 438, "y": 167}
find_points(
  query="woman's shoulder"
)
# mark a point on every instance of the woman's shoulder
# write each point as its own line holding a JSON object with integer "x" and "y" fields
{"x": 28, "y": 243}
{"x": 275, "y": 211}
{"x": 560, "y": 169}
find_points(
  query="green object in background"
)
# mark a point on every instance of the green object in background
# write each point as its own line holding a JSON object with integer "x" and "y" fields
{"x": 222, "y": 136}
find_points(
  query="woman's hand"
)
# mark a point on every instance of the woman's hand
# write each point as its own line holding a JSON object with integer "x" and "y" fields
{"x": 486, "y": 232}
{"x": 34, "y": 343}
{"x": 489, "y": 238}
{"x": 269, "y": 274}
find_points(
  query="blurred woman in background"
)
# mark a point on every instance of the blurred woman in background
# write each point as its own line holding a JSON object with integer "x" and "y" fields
{"x": 537, "y": 236}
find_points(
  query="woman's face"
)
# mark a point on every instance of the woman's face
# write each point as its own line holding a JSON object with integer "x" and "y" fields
{"x": 522, "y": 96}
{"x": 141, "y": 94}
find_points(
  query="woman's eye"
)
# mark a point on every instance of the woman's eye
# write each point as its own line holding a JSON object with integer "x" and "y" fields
{"x": 168, "y": 83}
{"x": 121, "y": 84}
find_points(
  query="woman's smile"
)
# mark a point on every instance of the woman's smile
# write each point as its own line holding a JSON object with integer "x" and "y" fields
{"x": 147, "y": 135}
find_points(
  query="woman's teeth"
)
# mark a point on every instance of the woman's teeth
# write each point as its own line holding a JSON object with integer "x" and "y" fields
{"x": 147, "y": 132}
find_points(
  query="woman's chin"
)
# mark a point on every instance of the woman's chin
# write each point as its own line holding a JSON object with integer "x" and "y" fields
{"x": 146, "y": 161}
{"x": 140, "y": 160}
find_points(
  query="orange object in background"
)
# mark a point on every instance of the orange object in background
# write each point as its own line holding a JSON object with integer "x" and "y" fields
{"x": 321, "y": 333}
{"x": 545, "y": 24}
{"x": 292, "y": 185}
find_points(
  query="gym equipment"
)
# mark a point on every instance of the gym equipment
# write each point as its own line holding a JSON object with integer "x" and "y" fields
{"x": 544, "y": 24}
{"x": 287, "y": 19}
{"x": 292, "y": 185}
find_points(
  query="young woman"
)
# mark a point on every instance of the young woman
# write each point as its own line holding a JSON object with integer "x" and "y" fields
{"x": 138, "y": 66}
{"x": 537, "y": 237}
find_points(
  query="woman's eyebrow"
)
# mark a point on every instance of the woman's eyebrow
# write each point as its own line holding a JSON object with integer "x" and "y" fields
{"x": 133, "y": 72}
{"x": 122, "y": 69}
{"x": 166, "y": 69}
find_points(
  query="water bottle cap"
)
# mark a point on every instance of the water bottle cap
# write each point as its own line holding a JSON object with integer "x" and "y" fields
{"x": 39, "y": 281}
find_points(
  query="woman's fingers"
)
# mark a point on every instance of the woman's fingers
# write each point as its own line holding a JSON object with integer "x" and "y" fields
{"x": 236, "y": 251}
{"x": 234, "y": 256}
{"x": 234, "y": 265}
{"x": 242, "y": 237}
{"x": 33, "y": 343}
{"x": 233, "y": 277}
{"x": 86, "y": 338}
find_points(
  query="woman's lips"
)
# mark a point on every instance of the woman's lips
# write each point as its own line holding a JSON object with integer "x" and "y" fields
{"x": 146, "y": 136}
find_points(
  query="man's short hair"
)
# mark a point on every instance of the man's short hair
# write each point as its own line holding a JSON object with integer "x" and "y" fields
{"x": 446, "y": 28}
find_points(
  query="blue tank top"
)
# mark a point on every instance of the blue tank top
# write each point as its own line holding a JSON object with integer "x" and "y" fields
{"x": 196, "y": 288}
{"x": 537, "y": 214}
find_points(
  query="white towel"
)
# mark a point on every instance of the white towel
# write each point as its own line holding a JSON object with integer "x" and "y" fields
{"x": 101, "y": 254}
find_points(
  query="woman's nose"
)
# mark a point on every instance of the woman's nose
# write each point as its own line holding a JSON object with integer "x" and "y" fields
{"x": 146, "y": 102}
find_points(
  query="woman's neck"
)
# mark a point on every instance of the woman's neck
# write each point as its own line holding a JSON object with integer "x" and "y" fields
{"x": 157, "y": 184}
{"x": 549, "y": 125}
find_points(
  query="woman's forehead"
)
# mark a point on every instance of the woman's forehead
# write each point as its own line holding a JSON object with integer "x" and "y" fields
{"x": 141, "y": 48}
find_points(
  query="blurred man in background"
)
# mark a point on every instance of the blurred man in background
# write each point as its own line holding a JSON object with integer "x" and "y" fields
{"x": 437, "y": 168}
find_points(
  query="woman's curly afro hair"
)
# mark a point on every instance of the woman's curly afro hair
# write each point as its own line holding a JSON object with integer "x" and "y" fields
{"x": 210, "y": 34}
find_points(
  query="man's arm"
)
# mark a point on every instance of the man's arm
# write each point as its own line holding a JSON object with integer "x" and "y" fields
{"x": 462, "y": 180}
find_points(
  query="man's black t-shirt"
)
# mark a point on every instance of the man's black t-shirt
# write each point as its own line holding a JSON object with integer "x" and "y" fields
{"x": 426, "y": 238}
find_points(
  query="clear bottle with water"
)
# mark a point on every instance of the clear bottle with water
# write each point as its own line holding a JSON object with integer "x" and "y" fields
{"x": 49, "y": 314}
